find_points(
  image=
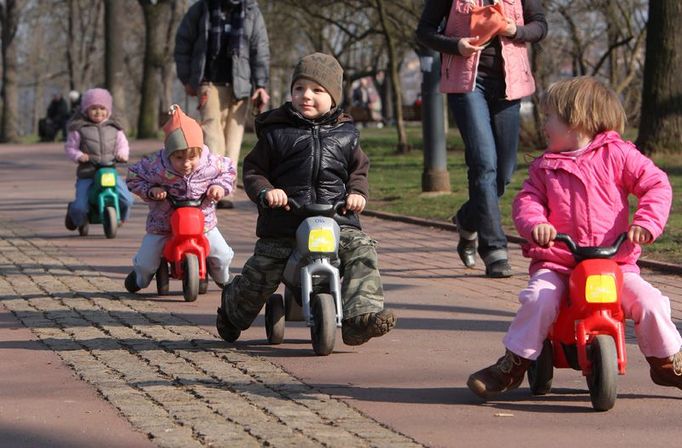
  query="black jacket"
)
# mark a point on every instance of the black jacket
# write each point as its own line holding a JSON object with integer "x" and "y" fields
{"x": 317, "y": 162}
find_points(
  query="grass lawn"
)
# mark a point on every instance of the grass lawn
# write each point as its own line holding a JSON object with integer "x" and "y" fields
{"x": 395, "y": 184}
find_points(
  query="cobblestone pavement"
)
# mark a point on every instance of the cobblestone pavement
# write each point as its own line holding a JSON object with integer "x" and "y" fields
{"x": 172, "y": 380}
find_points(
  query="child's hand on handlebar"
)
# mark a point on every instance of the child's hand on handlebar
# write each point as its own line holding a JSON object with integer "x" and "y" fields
{"x": 277, "y": 198}
{"x": 121, "y": 159}
{"x": 157, "y": 193}
{"x": 83, "y": 158}
{"x": 640, "y": 235}
{"x": 354, "y": 203}
{"x": 215, "y": 192}
{"x": 544, "y": 234}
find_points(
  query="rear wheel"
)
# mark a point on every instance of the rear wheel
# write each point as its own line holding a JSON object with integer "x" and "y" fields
{"x": 602, "y": 381}
{"x": 110, "y": 222}
{"x": 190, "y": 278}
{"x": 274, "y": 319}
{"x": 162, "y": 278}
{"x": 541, "y": 371}
{"x": 323, "y": 331}
{"x": 292, "y": 310}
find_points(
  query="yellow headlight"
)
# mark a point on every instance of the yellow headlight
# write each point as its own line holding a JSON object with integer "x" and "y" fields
{"x": 108, "y": 180}
{"x": 321, "y": 240}
{"x": 600, "y": 289}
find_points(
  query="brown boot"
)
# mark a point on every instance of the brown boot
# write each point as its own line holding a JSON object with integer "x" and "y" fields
{"x": 505, "y": 374}
{"x": 667, "y": 371}
{"x": 360, "y": 329}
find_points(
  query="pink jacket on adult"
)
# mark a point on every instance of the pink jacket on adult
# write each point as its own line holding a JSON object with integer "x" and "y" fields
{"x": 458, "y": 74}
{"x": 587, "y": 197}
{"x": 155, "y": 170}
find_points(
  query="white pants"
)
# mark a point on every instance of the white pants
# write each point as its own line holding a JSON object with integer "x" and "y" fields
{"x": 650, "y": 310}
{"x": 148, "y": 257}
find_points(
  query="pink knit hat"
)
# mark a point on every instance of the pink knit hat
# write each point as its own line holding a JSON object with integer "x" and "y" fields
{"x": 96, "y": 97}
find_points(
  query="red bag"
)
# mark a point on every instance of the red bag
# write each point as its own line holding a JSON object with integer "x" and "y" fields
{"x": 486, "y": 22}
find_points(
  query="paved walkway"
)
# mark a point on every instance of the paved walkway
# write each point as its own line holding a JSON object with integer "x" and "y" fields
{"x": 154, "y": 370}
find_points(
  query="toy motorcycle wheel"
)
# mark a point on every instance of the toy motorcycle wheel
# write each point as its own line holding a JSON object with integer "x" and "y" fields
{"x": 203, "y": 286}
{"x": 190, "y": 277}
{"x": 162, "y": 278}
{"x": 602, "y": 381}
{"x": 110, "y": 222}
{"x": 274, "y": 319}
{"x": 293, "y": 312}
{"x": 323, "y": 331}
{"x": 84, "y": 229}
{"x": 541, "y": 371}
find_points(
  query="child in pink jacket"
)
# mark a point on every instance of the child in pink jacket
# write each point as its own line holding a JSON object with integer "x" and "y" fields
{"x": 580, "y": 186}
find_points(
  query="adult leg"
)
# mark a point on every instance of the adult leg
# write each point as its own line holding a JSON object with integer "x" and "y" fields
{"x": 210, "y": 110}
{"x": 481, "y": 213}
{"x": 234, "y": 118}
{"x": 125, "y": 198}
{"x": 219, "y": 258}
{"x": 79, "y": 208}
{"x": 506, "y": 129}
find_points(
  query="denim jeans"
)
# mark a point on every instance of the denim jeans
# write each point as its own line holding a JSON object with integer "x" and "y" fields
{"x": 490, "y": 126}
{"x": 79, "y": 208}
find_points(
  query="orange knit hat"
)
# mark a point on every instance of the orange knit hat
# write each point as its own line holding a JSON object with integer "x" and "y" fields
{"x": 181, "y": 131}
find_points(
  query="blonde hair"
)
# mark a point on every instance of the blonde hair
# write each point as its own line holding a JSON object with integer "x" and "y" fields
{"x": 192, "y": 151}
{"x": 586, "y": 104}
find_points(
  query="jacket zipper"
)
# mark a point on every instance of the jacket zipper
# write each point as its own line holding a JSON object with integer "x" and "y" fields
{"x": 316, "y": 161}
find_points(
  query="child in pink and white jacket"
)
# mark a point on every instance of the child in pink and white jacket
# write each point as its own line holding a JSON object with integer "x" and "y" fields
{"x": 95, "y": 138}
{"x": 185, "y": 169}
{"x": 580, "y": 186}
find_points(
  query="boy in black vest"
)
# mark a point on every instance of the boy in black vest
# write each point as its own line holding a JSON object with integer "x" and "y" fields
{"x": 308, "y": 150}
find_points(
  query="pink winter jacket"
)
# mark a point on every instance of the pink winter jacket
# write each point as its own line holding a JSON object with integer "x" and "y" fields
{"x": 587, "y": 198}
{"x": 458, "y": 74}
{"x": 155, "y": 170}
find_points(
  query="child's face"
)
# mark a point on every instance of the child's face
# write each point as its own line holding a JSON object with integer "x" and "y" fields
{"x": 185, "y": 162}
{"x": 97, "y": 114}
{"x": 560, "y": 137}
{"x": 310, "y": 99}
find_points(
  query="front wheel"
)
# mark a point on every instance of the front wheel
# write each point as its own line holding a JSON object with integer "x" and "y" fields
{"x": 602, "y": 381}
{"x": 190, "y": 277}
{"x": 274, "y": 319}
{"x": 541, "y": 371}
{"x": 323, "y": 331}
{"x": 110, "y": 222}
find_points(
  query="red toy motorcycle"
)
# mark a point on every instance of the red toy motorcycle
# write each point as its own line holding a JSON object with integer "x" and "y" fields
{"x": 589, "y": 332}
{"x": 185, "y": 251}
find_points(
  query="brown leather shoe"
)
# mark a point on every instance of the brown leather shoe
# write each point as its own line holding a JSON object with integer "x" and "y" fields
{"x": 360, "y": 329}
{"x": 666, "y": 371}
{"x": 506, "y": 374}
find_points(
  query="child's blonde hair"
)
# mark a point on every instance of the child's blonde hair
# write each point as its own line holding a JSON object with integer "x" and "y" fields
{"x": 586, "y": 104}
{"x": 193, "y": 151}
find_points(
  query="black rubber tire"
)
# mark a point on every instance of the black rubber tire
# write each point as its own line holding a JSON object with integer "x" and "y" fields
{"x": 162, "y": 278}
{"x": 190, "y": 278}
{"x": 203, "y": 286}
{"x": 110, "y": 222}
{"x": 541, "y": 371}
{"x": 323, "y": 331}
{"x": 292, "y": 310}
{"x": 84, "y": 229}
{"x": 274, "y": 319}
{"x": 602, "y": 382}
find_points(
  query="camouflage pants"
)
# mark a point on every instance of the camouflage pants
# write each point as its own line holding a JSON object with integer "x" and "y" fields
{"x": 361, "y": 290}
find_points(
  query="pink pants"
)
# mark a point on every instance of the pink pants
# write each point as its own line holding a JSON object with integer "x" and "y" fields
{"x": 650, "y": 310}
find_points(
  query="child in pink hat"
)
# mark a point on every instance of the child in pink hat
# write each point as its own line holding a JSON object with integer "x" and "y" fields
{"x": 95, "y": 139}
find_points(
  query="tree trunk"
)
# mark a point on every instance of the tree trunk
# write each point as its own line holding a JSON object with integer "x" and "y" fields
{"x": 660, "y": 127}
{"x": 9, "y": 20}
{"x": 394, "y": 74}
{"x": 155, "y": 17}
{"x": 114, "y": 57}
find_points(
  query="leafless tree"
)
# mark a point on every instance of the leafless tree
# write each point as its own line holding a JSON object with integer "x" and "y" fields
{"x": 660, "y": 127}
{"x": 10, "y": 13}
